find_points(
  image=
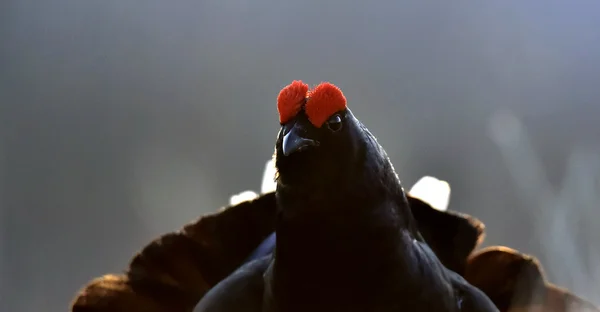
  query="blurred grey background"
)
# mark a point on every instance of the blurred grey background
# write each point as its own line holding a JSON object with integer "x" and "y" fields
{"x": 123, "y": 120}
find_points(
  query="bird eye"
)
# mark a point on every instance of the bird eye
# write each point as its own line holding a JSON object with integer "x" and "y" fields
{"x": 335, "y": 123}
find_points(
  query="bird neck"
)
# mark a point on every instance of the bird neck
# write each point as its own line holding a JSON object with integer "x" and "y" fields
{"x": 341, "y": 246}
{"x": 346, "y": 238}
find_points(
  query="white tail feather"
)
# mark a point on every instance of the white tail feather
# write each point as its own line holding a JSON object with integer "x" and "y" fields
{"x": 268, "y": 181}
{"x": 268, "y": 185}
{"x": 433, "y": 191}
{"x": 242, "y": 197}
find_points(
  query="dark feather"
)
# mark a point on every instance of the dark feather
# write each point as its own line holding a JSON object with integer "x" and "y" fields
{"x": 175, "y": 271}
{"x": 516, "y": 282}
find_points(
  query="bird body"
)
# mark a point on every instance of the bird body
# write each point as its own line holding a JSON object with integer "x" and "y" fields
{"x": 338, "y": 234}
{"x": 346, "y": 238}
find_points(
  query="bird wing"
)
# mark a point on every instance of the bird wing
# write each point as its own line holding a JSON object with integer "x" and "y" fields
{"x": 242, "y": 291}
{"x": 451, "y": 235}
{"x": 470, "y": 298}
{"x": 516, "y": 281}
{"x": 173, "y": 272}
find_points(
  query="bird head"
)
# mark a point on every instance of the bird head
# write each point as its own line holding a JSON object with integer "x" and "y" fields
{"x": 319, "y": 139}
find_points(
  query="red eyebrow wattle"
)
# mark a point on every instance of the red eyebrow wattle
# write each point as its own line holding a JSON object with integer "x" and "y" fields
{"x": 323, "y": 101}
{"x": 290, "y": 100}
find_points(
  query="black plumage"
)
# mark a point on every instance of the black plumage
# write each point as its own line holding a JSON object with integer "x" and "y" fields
{"x": 346, "y": 237}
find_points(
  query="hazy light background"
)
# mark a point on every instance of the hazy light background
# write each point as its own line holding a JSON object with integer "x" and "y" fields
{"x": 123, "y": 120}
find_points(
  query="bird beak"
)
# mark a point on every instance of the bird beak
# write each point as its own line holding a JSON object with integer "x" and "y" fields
{"x": 294, "y": 141}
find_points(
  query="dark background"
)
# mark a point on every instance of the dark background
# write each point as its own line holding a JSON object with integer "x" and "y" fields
{"x": 122, "y": 120}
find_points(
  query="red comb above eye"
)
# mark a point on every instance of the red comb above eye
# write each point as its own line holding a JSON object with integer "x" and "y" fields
{"x": 324, "y": 100}
{"x": 290, "y": 100}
